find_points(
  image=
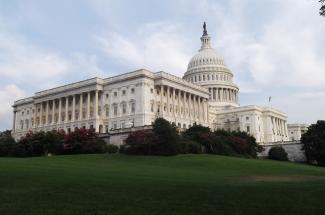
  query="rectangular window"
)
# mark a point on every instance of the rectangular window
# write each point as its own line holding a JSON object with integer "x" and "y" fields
{"x": 133, "y": 108}
{"x": 248, "y": 129}
{"x": 115, "y": 110}
{"x": 124, "y": 108}
{"x": 152, "y": 107}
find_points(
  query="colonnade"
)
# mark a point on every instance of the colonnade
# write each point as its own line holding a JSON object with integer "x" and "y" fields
{"x": 178, "y": 103}
{"x": 279, "y": 126}
{"x": 223, "y": 94}
{"x": 66, "y": 109}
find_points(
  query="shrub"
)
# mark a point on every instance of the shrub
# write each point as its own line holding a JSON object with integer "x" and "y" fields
{"x": 195, "y": 131}
{"x": 166, "y": 137}
{"x": 6, "y": 143}
{"x": 83, "y": 141}
{"x": 188, "y": 146}
{"x": 278, "y": 153}
{"x": 111, "y": 149}
{"x": 314, "y": 143}
{"x": 139, "y": 143}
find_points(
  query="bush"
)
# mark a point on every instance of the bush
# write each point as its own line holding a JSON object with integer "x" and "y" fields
{"x": 163, "y": 139}
{"x": 6, "y": 143}
{"x": 314, "y": 143}
{"x": 166, "y": 137}
{"x": 111, "y": 149}
{"x": 189, "y": 146}
{"x": 83, "y": 141}
{"x": 278, "y": 153}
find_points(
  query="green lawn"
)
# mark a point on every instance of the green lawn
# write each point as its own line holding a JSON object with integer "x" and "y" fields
{"x": 185, "y": 184}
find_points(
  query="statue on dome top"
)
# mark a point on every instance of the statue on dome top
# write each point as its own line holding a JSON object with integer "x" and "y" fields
{"x": 205, "y": 29}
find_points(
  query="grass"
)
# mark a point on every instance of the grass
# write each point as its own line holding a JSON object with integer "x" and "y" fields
{"x": 185, "y": 184}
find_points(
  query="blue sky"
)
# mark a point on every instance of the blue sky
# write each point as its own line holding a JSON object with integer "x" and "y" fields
{"x": 274, "y": 48}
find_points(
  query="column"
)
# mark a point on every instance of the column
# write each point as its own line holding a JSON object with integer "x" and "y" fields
{"x": 88, "y": 106}
{"x": 199, "y": 109}
{"x": 35, "y": 111}
{"x": 41, "y": 115}
{"x": 80, "y": 106}
{"x": 174, "y": 95}
{"x": 221, "y": 94}
{"x": 73, "y": 108}
{"x": 96, "y": 104}
{"x": 168, "y": 104}
{"x": 66, "y": 108}
{"x": 184, "y": 107}
{"x": 53, "y": 111}
{"x": 47, "y": 113}
{"x": 60, "y": 110}
{"x": 14, "y": 122}
{"x": 161, "y": 100}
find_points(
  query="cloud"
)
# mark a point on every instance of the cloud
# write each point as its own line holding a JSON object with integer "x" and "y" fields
{"x": 283, "y": 49}
{"x": 33, "y": 68}
{"x": 8, "y": 94}
{"x": 156, "y": 46}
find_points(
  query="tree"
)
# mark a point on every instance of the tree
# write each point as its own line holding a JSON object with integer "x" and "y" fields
{"x": 167, "y": 137}
{"x": 6, "y": 143}
{"x": 278, "y": 153}
{"x": 314, "y": 143}
{"x": 195, "y": 131}
{"x": 322, "y": 9}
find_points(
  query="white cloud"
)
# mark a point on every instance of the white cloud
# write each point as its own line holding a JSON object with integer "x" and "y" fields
{"x": 8, "y": 94}
{"x": 156, "y": 46}
{"x": 34, "y": 68}
{"x": 284, "y": 49}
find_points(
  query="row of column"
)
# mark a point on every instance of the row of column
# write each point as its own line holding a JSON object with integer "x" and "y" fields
{"x": 46, "y": 109}
{"x": 183, "y": 100}
{"x": 279, "y": 126}
{"x": 223, "y": 94}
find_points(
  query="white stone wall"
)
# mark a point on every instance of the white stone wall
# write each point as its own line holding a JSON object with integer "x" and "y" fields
{"x": 129, "y": 100}
{"x": 265, "y": 124}
{"x": 296, "y": 131}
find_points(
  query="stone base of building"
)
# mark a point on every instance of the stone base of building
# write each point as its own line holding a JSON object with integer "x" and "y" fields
{"x": 293, "y": 148}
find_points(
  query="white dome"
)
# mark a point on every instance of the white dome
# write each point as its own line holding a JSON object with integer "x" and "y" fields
{"x": 207, "y": 69}
{"x": 205, "y": 57}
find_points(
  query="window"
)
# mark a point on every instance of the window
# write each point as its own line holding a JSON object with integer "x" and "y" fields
{"x": 151, "y": 90}
{"x": 115, "y": 110}
{"x": 22, "y": 113}
{"x": 152, "y": 107}
{"x": 132, "y": 90}
{"x": 107, "y": 95}
{"x": 115, "y": 94}
{"x": 106, "y": 128}
{"x": 122, "y": 124}
{"x": 124, "y": 108}
{"x": 247, "y": 129}
{"x": 114, "y": 125}
{"x": 123, "y": 92}
{"x": 133, "y": 107}
{"x": 107, "y": 112}
{"x": 247, "y": 118}
{"x": 28, "y": 112}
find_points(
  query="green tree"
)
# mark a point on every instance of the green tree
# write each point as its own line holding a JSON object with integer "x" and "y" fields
{"x": 167, "y": 137}
{"x": 6, "y": 143}
{"x": 278, "y": 153}
{"x": 314, "y": 143}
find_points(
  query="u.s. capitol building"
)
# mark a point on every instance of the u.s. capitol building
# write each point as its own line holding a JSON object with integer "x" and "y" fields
{"x": 206, "y": 95}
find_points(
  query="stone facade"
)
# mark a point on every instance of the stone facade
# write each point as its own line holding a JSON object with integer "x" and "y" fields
{"x": 130, "y": 100}
{"x": 206, "y": 95}
{"x": 296, "y": 131}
